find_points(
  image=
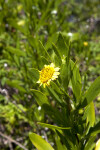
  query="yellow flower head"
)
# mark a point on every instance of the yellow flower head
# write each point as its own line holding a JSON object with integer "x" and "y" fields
{"x": 85, "y": 43}
{"x": 47, "y": 74}
{"x": 97, "y": 145}
{"x": 21, "y": 22}
{"x": 19, "y": 7}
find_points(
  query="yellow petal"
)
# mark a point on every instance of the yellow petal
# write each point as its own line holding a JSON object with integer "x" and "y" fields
{"x": 57, "y": 69}
{"x": 56, "y": 73}
{"x": 52, "y": 65}
{"x": 38, "y": 81}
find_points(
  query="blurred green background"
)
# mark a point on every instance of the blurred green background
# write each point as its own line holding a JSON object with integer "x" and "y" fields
{"x": 23, "y": 24}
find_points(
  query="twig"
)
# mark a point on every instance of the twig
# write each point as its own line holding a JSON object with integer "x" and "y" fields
{"x": 10, "y": 146}
{"x": 13, "y": 141}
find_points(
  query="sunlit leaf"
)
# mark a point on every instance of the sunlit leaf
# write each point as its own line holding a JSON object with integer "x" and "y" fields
{"x": 39, "y": 142}
{"x": 53, "y": 127}
{"x": 89, "y": 114}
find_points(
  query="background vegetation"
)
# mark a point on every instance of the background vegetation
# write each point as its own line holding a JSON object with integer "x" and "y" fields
{"x": 31, "y": 31}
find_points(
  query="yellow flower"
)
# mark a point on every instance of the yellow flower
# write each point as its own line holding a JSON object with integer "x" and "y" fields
{"x": 47, "y": 74}
{"x": 85, "y": 43}
{"x": 97, "y": 145}
{"x": 19, "y": 7}
{"x": 21, "y": 22}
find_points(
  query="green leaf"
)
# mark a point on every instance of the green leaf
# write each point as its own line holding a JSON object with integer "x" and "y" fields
{"x": 76, "y": 80}
{"x": 66, "y": 140}
{"x": 46, "y": 14}
{"x": 89, "y": 143}
{"x": 40, "y": 97}
{"x": 35, "y": 73}
{"x": 57, "y": 53}
{"x": 43, "y": 61}
{"x": 55, "y": 87}
{"x": 16, "y": 51}
{"x": 94, "y": 130}
{"x": 89, "y": 114}
{"x": 52, "y": 38}
{"x": 39, "y": 142}
{"x": 4, "y": 61}
{"x": 61, "y": 45}
{"x": 53, "y": 94}
{"x": 53, "y": 127}
{"x": 16, "y": 84}
{"x": 65, "y": 74}
{"x": 55, "y": 114}
{"x": 45, "y": 50}
{"x": 60, "y": 146}
{"x": 92, "y": 92}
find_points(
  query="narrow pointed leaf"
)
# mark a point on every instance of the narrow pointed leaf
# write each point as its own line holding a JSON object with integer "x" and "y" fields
{"x": 53, "y": 127}
{"x": 45, "y": 50}
{"x": 60, "y": 146}
{"x": 90, "y": 114}
{"x": 56, "y": 88}
{"x": 54, "y": 95}
{"x": 34, "y": 73}
{"x": 89, "y": 144}
{"x": 61, "y": 45}
{"x": 56, "y": 52}
{"x": 16, "y": 84}
{"x": 92, "y": 92}
{"x": 16, "y": 51}
{"x": 40, "y": 97}
{"x": 95, "y": 130}
{"x": 39, "y": 142}
{"x": 76, "y": 80}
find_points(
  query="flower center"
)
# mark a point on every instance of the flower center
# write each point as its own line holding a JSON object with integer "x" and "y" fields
{"x": 46, "y": 74}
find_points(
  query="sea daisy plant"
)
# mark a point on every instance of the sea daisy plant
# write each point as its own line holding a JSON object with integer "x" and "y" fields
{"x": 67, "y": 102}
